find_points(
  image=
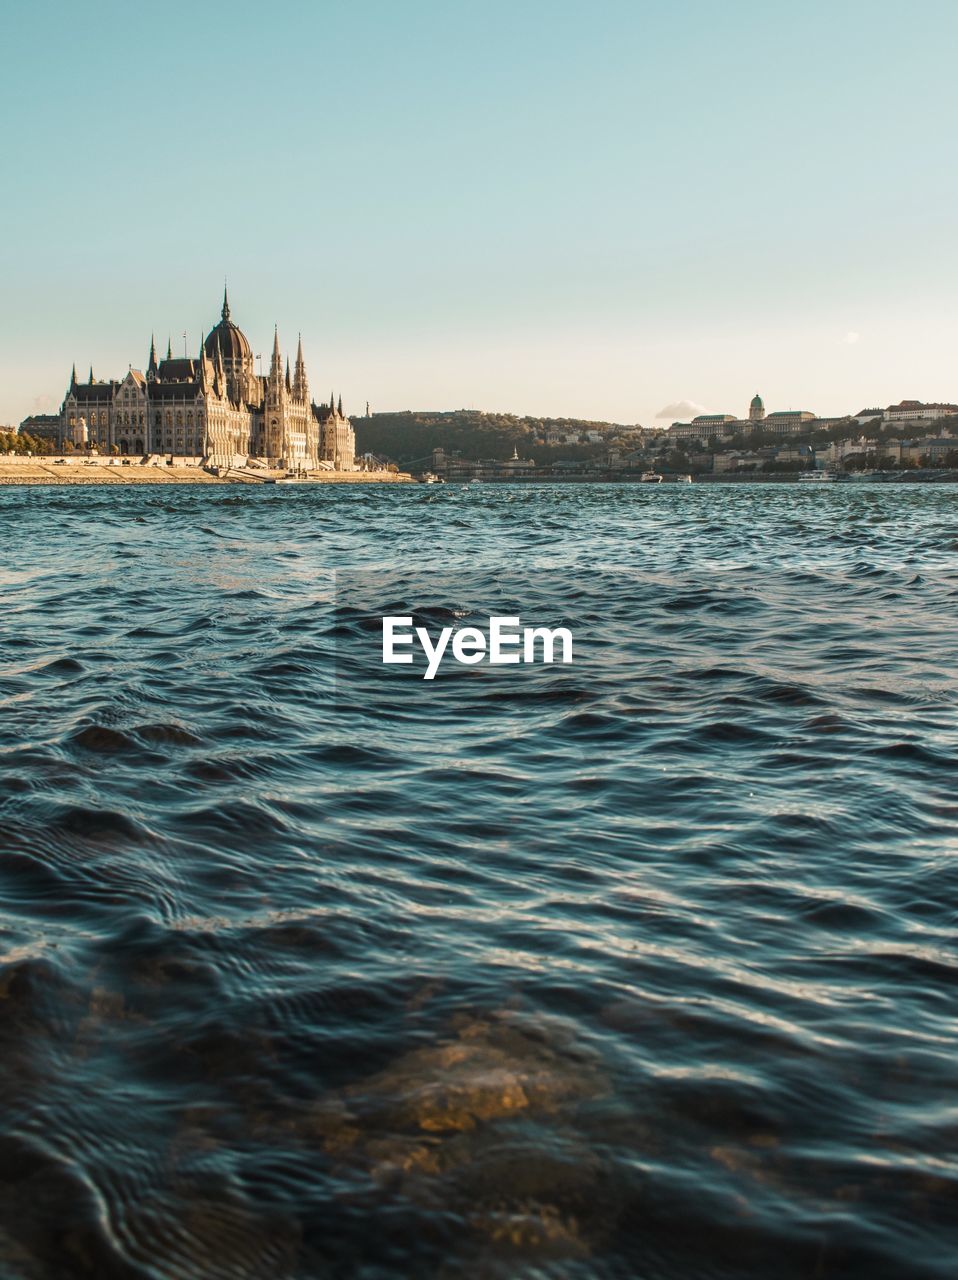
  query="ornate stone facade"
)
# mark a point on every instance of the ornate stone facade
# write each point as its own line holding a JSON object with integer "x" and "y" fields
{"x": 215, "y": 406}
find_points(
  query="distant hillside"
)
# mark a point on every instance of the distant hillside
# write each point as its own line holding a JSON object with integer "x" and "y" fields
{"x": 410, "y": 437}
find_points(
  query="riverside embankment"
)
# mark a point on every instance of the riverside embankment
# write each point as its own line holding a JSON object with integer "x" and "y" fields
{"x": 64, "y": 471}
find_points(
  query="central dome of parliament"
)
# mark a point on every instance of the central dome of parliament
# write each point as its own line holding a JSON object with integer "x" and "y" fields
{"x": 228, "y": 338}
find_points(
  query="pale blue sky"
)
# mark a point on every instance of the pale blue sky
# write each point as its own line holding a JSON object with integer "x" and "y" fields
{"x": 596, "y": 209}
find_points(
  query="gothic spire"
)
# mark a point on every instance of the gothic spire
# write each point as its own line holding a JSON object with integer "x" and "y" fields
{"x": 276, "y": 365}
{"x": 299, "y": 381}
{"x": 151, "y": 367}
{"x": 339, "y": 407}
{"x": 203, "y": 371}
{"x": 226, "y": 303}
{"x": 91, "y": 375}
{"x": 73, "y": 377}
{"x": 169, "y": 348}
{"x": 289, "y": 386}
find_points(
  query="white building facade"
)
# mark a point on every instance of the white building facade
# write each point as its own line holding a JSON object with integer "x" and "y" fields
{"x": 213, "y": 406}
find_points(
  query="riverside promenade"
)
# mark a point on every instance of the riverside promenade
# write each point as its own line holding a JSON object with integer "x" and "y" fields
{"x": 66, "y": 470}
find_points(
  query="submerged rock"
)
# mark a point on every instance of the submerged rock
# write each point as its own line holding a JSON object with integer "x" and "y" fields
{"x": 484, "y": 1126}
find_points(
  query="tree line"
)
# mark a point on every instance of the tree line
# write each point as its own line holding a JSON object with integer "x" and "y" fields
{"x": 13, "y": 442}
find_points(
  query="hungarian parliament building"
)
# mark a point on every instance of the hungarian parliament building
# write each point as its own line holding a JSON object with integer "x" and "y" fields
{"x": 213, "y": 406}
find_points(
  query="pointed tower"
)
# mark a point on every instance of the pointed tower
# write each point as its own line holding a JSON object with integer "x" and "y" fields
{"x": 169, "y": 348}
{"x": 225, "y": 313}
{"x": 91, "y": 378}
{"x": 289, "y": 385}
{"x": 204, "y": 379}
{"x": 152, "y": 365}
{"x": 73, "y": 377}
{"x": 220, "y": 372}
{"x": 276, "y": 364}
{"x": 204, "y": 371}
{"x": 339, "y": 407}
{"x": 300, "y": 386}
{"x": 276, "y": 407}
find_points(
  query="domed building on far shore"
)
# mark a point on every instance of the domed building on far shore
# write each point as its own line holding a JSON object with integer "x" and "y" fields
{"x": 213, "y": 405}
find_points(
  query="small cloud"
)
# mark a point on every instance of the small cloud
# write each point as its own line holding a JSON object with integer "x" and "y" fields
{"x": 681, "y": 409}
{"x": 850, "y": 338}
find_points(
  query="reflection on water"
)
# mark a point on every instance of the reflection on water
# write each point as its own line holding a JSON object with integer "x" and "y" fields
{"x": 642, "y": 967}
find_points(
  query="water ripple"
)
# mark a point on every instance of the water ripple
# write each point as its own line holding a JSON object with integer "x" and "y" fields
{"x": 643, "y": 967}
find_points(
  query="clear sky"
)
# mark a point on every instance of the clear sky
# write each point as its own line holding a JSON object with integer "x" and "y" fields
{"x": 597, "y": 209}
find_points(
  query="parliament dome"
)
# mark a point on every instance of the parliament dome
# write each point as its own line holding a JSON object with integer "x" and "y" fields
{"x": 228, "y": 338}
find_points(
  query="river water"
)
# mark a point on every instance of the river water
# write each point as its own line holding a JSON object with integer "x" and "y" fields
{"x": 642, "y": 966}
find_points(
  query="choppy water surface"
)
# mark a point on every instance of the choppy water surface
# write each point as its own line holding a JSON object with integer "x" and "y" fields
{"x": 642, "y": 968}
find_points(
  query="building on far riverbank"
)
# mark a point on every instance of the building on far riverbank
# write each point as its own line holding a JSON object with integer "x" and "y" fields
{"x": 214, "y": 405}
{"x": 41, "y": 426}
{"x": 454, "y": 467}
